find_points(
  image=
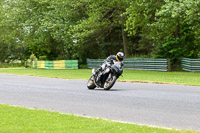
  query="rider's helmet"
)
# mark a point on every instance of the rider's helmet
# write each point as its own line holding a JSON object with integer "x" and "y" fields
{"x": 120, "y": 56}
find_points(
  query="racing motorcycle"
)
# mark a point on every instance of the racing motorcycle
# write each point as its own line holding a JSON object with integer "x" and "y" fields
{"x": 108, "y": 74}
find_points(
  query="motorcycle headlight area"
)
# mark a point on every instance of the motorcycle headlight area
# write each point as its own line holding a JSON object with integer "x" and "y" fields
{"x": 107, "y": 70}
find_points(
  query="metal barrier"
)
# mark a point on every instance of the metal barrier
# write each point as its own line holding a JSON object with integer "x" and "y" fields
{"x": 57, "y": 64}
{"x": 190, "y": 65}
{"x": 94, "y": 63}
{"x": 137, "y": 64}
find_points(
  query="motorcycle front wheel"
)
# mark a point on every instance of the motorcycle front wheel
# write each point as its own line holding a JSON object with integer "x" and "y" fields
{"x": 110, "y": 81}
{"x": 90, "y": 84}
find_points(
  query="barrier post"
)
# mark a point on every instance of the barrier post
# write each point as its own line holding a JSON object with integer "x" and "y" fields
{"x": 169, "y": 64}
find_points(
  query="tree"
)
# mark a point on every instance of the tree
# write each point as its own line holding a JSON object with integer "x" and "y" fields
{"x": 140, "y": 14}
{"x": 176, "y": 30}
{"x": 44, "y": 26}
{"x": 10, "y": 44}
{"x": 102, "y": 26}
{"x": 80, "y": 29}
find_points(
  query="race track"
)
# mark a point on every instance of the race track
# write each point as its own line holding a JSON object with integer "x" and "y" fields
{"x": 171, "y": 106}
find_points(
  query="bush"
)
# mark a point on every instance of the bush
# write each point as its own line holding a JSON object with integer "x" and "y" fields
{"x": 29, "y": 62}
{"x": 10, "y": 65}
{"x": 44, "y": 57}
{"x": 33, "y": 57}
{"x": 176, "y": 48}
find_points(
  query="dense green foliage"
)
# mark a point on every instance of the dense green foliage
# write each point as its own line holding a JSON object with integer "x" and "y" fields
{"x": 80, "y": 29}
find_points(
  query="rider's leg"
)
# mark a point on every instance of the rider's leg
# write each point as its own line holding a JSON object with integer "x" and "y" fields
{"x": 99, "y": 70}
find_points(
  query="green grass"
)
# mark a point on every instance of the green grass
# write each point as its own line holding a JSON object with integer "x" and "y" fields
{"x": 184, "y": 78}
{"x": 18, "y": 120}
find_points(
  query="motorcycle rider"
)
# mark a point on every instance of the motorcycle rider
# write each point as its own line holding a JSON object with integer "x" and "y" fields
{"x": 108, "y": 61}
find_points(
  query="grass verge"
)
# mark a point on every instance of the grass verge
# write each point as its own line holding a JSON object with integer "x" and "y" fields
{"x": 18, "y": 119}
{"x": 184, "y": 78}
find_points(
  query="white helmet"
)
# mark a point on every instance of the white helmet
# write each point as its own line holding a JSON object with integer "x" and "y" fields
{"x": 120, "y": 56}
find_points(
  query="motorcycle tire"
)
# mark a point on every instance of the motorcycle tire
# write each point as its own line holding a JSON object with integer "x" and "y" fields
{"x": 90, "y": 84}
{"x": 111, "y": 83}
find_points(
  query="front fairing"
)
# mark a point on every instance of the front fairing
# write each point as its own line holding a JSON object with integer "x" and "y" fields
{"x": 117, "y": 68}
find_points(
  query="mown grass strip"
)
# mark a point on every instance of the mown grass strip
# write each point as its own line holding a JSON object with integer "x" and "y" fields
{"x": 18, "y": 119}
{"x": 184, "y": 78}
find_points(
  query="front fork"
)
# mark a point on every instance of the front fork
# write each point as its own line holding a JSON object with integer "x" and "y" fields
{"x": 93, "y": 71}
{"x": 93, "y": 77}
{"x": 109, "y": 76}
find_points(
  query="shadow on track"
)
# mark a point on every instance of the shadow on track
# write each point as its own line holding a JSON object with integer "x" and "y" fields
{"x": 99, "y": 89}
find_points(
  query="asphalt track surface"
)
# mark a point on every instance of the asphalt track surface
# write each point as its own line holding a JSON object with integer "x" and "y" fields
{"x": 163, "y": 105}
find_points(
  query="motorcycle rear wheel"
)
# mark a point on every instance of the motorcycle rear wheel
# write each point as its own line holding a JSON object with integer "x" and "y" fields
{"x": 90, "y": 84}
{"x": 109, "y": 83}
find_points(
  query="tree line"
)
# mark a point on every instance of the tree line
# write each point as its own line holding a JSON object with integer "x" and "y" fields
{"x": 81, "y": 29}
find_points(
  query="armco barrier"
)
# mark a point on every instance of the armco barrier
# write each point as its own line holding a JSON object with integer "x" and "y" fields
{"x": 136, "y": 64}
{"x": 57, "y": 64}
{"x": 94, "y": 63}
{"x": 190, "y": 65}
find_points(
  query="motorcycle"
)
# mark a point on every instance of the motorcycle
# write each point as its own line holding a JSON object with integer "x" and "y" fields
{"x": 108, "y": 74}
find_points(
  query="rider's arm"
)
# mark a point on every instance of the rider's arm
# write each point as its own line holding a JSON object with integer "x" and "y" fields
{"x": 109, "y": 58}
